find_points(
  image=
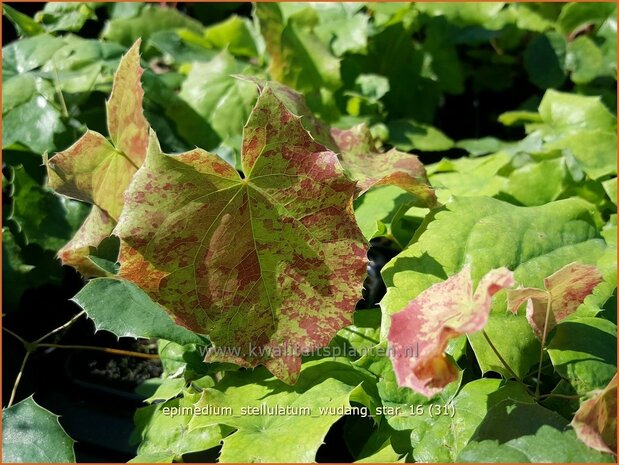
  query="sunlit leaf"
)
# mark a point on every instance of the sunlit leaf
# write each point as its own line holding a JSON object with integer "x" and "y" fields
{"x": 420, "y": 332}
{"x": 269, "y": 261}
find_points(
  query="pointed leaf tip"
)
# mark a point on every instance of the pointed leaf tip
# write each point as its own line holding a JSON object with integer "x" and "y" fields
{"x": 419, "y": 334}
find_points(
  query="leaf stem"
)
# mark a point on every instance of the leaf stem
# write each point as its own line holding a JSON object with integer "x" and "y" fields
{"x": 563, "y": 396}
{"x": 60, "y": 328}
{"x": 18, "y": 378}
{"x": 541, "y": 350}
{"x": 16, "y": 336}
{"x": 109, "y": 350}
{"x": 500, "y": 357}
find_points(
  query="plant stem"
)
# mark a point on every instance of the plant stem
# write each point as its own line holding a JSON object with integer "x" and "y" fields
{"x": 563, "y": 396}
{"x": 16, "y": 336}
{"x": 109, "y": 350}
{"x": 18, "y": 378}
{"x": 502, "y": 360}
{"x": 541, "y": 350}
{"x": 60, "y": 328}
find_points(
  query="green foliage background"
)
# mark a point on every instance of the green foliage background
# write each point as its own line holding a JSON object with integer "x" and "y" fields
{"x": 511, "y": 107}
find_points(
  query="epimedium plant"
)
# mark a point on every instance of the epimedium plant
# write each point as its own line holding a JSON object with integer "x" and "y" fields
{"x": 248, "y": 269}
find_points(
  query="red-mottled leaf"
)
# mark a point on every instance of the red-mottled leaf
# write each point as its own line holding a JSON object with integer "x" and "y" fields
{"x": 566, "y": 289}
{"x": 98, "y": 171}
{"x": 96, "y": 227}
{"x": 268, "y": 266}
{"x": 419, "y": 334}
{"x": 595, "y": 421}
{"x": 370, "y": 167}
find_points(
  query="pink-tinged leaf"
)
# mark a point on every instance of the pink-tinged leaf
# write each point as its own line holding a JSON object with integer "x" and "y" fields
{"x": 371, "y": 168}
{"x": 268, "y": 266}
{"x": 97, "y": 226}
{"x": 419, "y": 334}
{"x": 125, "y": 118}
{"x": 595, "y": 421}
{"x": 98, "y": 171}
{"x": 566, "y": 289}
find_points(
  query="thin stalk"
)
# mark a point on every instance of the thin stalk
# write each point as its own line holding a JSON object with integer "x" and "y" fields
{"x": 541, "y": 350}
{"x": 563, "y": 396}
{"x": 16, "y": 336}
{"x": 18, "y": 378}
{"x": 60, "y": 328}
{"x": 109, "y": 350}
{"x": 500, "y": 357}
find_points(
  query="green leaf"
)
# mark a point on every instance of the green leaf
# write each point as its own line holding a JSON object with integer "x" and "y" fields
{"x": 544, "y": 60}
{"x": 537, "y": 183}
{"x": 380, "y": 210}
{"x": 224, "y": 101}
{"x": 28, "y": 54}
{"x": 342, "y": 26}
{"x": 576, "y": 15}
{"x": 151, "y": 19}
{"x": 126, "y": 311}
{"x": 298, "y": 58}
{"x": 235, "y": 34}
{"x": 487, "y": 234}
{"x": 64, "y": 16}
{"x": 33, "y": 434}
{"x": 165, "y": 437}
{"x": 25, "y": 25}
{"x": 325, "y": 384}
{"x": 168, "y": 389}
{"x": 408, "y": 135}
{"x": 521, "y": 432}
{"x": 582, "y": 351}
{"x": 44, "y": 218}
{"x": 585, "y": 60}
{"x": 271, "y": 261}
{"x": 464, "y": 14}
{"x": 447, "y": 436}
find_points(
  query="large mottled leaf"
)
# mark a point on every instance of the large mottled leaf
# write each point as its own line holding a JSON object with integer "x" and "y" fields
{"x": 126, "y": 311}
{"x": 582, "y": 351}
{"x": 419, "y": 333}
{"x": 487, "y": 234}
{"x": 298, "y": 57}
{"x": 268, "y": 266}
{"x": 595, "y": 421}
{"x": 33, "y": 434}
{"x": 564, "y": 291}
{"x": 519, "y": 432}
{"x": 97, "y": 171}
{"x": 263, "y": 410}
{"x": 370, "y": 168}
